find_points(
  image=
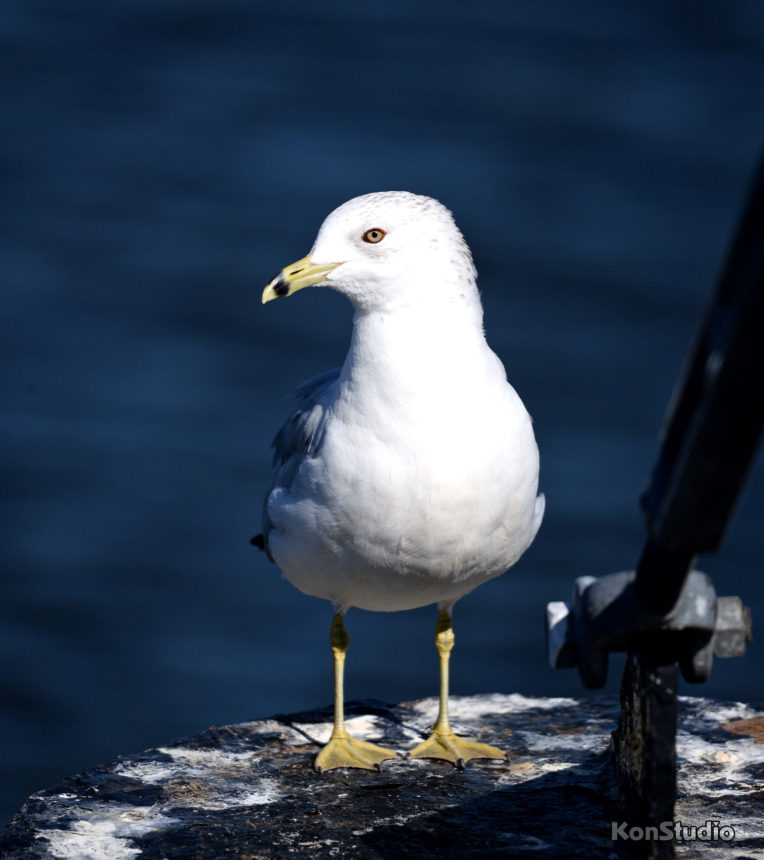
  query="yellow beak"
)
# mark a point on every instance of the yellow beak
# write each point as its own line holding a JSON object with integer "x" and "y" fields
{"x": 303, "y": 273}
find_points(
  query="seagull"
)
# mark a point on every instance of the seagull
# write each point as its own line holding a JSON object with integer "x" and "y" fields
{"x": 408, "y": 476}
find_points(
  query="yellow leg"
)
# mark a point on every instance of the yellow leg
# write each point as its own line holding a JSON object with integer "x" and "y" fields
{"x": 342, "y": 750}
{"x": 443, "y": 743}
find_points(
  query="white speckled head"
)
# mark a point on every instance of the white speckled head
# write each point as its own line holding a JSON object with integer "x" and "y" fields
{"x": 396, "y": 249}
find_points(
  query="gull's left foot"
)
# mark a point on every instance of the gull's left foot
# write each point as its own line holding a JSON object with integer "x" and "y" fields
{"x": 447, "y": 746}
{"x": 344, "y": 751}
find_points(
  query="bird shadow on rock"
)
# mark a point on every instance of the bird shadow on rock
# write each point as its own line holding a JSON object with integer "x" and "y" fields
{"x": 565, "y": 813}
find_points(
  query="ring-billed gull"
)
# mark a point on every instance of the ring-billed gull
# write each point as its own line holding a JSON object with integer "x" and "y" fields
{"x": 408, "y": 476}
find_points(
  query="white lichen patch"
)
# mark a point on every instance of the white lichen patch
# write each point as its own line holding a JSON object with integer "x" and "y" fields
{"x": 104, "y": 832}
{"x": 478, "y": 707}
{"x": 702, "y": 714}
{"x": 210, "y": 759}
{"x": 365, "y": 728}
{"x": 273, "y": 728}
{"x": 205, "y": 778}
{"x": 413, "y": 736}
{"x": 554, "y": 766}
{"x": 714, "y": 769}
{"x": 515, "y": 703}
{"x": 151, "y": 772}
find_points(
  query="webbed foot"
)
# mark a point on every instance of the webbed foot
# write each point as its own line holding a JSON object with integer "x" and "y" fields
{"x": 344, "y": 751}
{"x": 447, "y": 746}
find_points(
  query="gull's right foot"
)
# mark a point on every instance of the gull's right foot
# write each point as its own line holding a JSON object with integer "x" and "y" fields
{"x": 344, "y": 751}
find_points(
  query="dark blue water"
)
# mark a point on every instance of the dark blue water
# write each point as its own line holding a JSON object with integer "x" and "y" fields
{"x": 161, "y": 161}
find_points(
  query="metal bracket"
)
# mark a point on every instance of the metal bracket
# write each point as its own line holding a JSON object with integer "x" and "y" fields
{"x": 604, "y": 616}
{"x": 665, "y": 613}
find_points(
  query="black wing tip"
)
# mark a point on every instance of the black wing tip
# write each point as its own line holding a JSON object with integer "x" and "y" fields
{"x": 259, "y": 542}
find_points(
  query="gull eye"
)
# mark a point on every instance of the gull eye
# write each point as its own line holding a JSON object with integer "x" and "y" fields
{"x": 376, "y": 234}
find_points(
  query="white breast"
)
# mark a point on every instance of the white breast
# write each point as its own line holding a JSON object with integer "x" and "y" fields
{"x": 426, "y": 481}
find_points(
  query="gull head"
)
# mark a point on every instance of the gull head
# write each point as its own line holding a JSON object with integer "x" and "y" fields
{"x": 383, "y": 251}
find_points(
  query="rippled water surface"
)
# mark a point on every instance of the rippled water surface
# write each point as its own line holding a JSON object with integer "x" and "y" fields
{"x": 161, "y": 161}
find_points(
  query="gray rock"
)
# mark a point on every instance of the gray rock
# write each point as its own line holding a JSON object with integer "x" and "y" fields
{"x": 249, "y": 791}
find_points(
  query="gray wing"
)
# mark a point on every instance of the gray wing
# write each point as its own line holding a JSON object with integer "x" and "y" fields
{"x": 299, "y": 437}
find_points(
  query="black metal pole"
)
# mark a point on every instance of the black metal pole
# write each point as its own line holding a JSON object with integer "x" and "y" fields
{"x": 708, "y": 446}
{"x": 644, "y": 747}
{"x": 714, "y": 422}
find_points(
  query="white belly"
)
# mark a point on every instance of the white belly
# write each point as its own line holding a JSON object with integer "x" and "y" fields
{"x": 390, "y": 517}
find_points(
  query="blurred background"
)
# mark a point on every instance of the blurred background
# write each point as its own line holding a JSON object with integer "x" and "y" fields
{"x": 162, "y": 160}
